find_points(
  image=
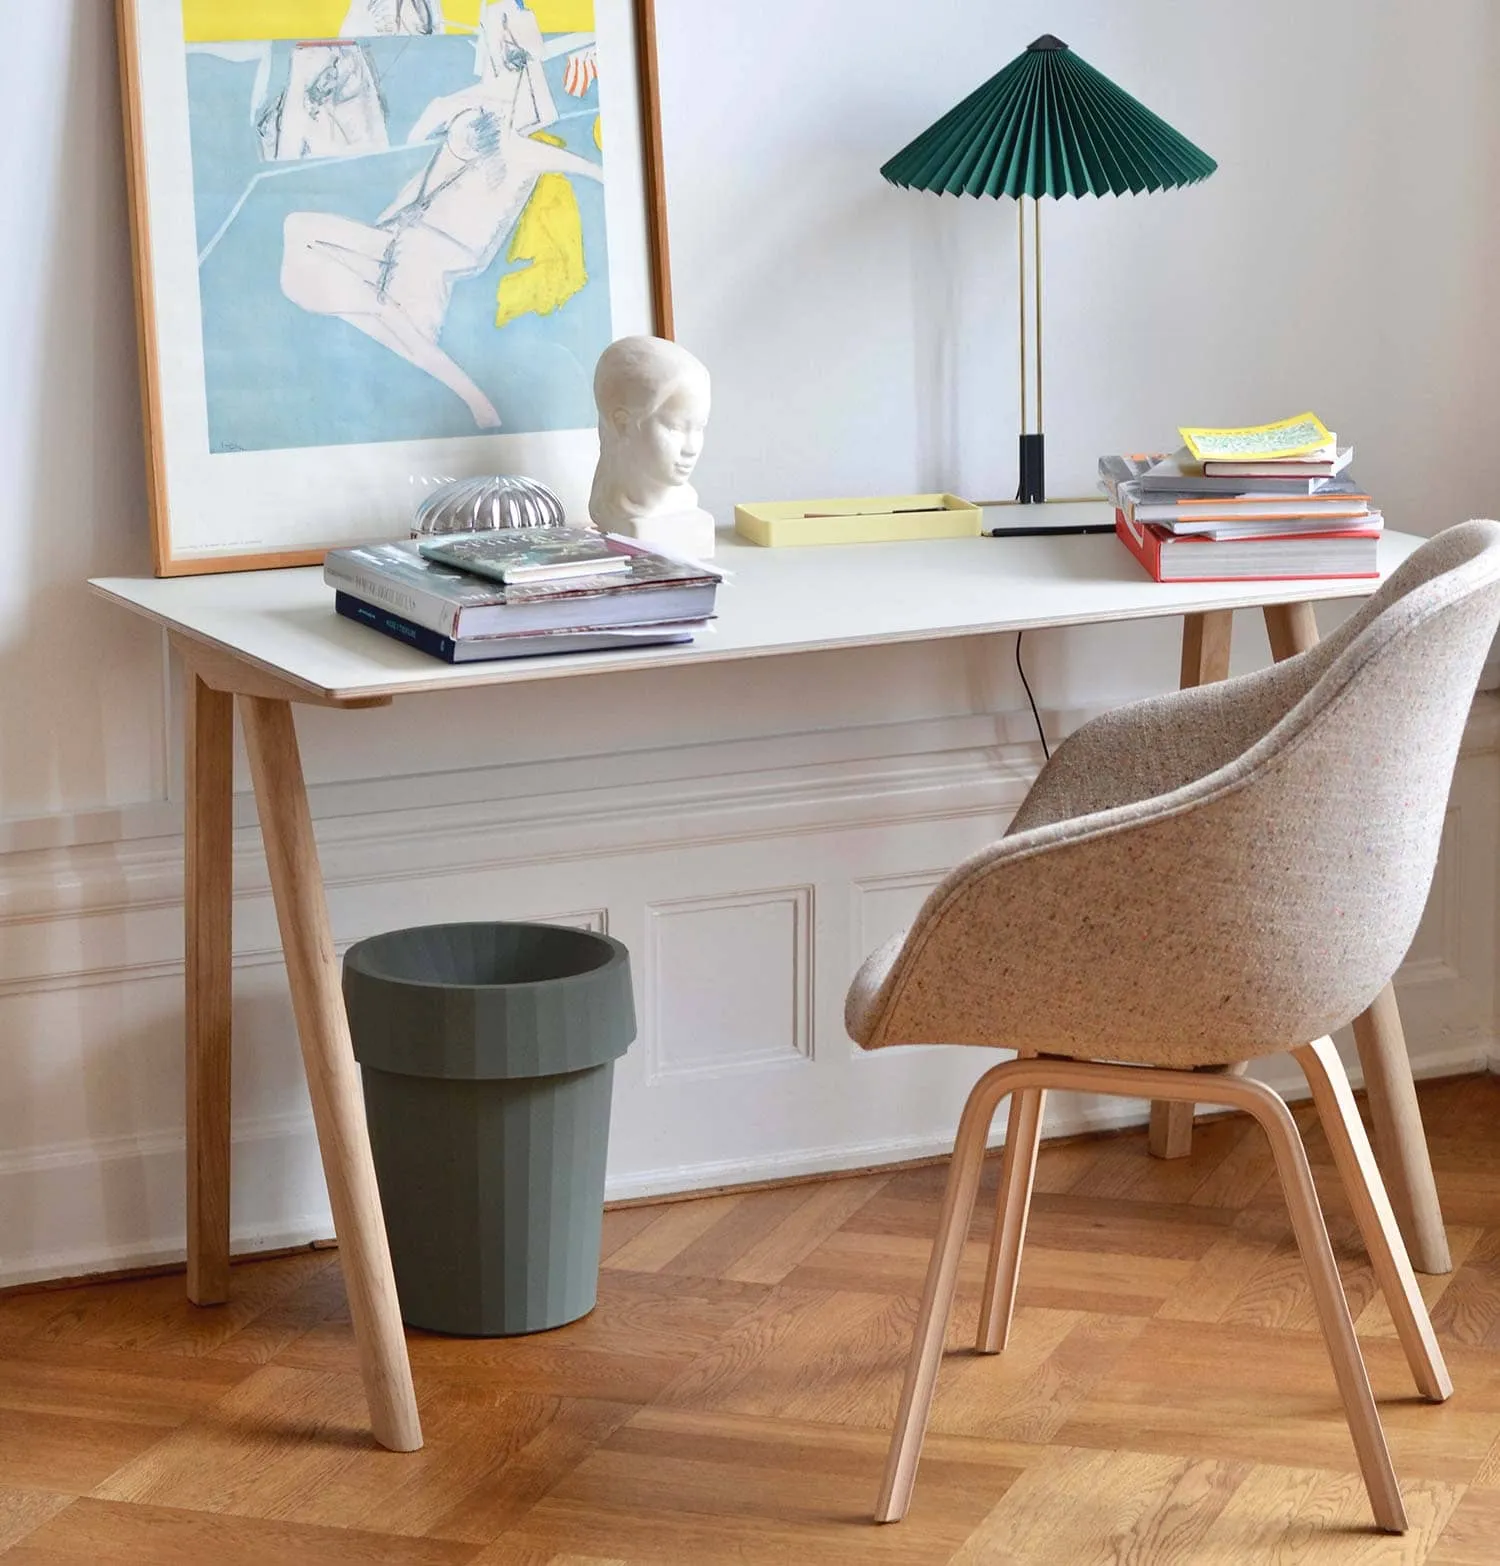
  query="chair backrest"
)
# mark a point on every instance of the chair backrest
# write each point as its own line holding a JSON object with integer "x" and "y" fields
{"x": 1349, "y": 791}
{"x": 1448, "y": 551}
{"x": 1254, "y": 908}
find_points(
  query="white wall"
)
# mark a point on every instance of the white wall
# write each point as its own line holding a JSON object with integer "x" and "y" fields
{"x": 732, "y": 825}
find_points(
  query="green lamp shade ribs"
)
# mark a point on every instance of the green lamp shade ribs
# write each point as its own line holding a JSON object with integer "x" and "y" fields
{"x": 1048, "y": 124}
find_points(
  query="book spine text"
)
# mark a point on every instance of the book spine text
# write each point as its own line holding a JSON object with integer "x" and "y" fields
{"x": 410, "y": 603}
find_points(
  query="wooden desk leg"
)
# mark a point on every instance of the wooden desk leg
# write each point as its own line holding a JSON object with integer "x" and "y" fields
{"x": 207, "y": 918}
{"x": 1290, "y": 628}
{"x": 1205, "y": 658}
{"x": 332, "y": 1074}
{"x": 1400, "y": 1143}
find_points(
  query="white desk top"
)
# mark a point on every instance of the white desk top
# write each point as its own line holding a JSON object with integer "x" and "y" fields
{"x": 773, "y": 601}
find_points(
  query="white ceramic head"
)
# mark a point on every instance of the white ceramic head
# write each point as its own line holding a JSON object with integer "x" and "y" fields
{"x": 653, "y": 400}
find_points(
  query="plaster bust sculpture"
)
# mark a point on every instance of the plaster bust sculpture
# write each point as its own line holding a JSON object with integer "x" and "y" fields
{"x": 653, "y": 401}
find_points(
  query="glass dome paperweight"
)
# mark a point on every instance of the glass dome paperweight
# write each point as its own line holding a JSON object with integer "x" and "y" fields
{"x": 475, "y": 505}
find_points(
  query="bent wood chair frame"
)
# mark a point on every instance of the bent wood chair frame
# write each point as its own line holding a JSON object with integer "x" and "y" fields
{"x": 1028, "y": 1078}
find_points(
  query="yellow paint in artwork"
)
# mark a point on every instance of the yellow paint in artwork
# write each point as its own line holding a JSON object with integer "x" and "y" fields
{"x": 552, "y": 16}
{"x": 563, "y": 16}
{"x": 598, "y": 134}
{"x": 221, "y": 21}
{"x": 550, "y": 237}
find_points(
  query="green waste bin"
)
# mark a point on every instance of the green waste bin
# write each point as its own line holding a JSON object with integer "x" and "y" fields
{"x": 488, "y": 1052}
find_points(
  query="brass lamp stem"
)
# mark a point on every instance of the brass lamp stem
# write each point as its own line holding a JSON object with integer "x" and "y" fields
{"x": 1036, "y": 229}
{"x": 1029, "y": 334}
{"x": 1021, "y": 298}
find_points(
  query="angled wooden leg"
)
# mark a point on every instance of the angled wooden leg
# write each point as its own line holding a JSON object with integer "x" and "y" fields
{"x": 208, "y": 878}
{"x": 1012, "y": 1206}
{"x": 1290, "y": 629}
{"x": 1233, "y": 1091}
{"x": 332, "y": 1074}
{"x": 1372, "y": 1211}
{"x": 937, "y": 1296}
{"x": 1205, "y": 646}
{"x": 1404, "y": 1156}
{"x": 1333, "y": 1308}
{"x": 1205, "y": 658}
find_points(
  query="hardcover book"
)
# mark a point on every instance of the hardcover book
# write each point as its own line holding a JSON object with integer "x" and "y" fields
{"x": 1321, "y": 465}
{"x": 516, "y": 644}
{"x": 1172, "y": 509}
{"x": 1289, "y": 527}
{"x": 397, "y": 577}
{"x": 528, "y": 554}
{"x": 1170, "y": 558}
{"x": 1180, "y": 475}
{"x": 1125, "y": 468}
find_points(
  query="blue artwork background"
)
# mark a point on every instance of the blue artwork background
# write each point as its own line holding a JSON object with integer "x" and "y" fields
{"x": 278, "y": 376}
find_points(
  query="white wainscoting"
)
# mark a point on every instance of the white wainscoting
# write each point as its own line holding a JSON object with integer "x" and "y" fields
{"x": 748, "y": 888}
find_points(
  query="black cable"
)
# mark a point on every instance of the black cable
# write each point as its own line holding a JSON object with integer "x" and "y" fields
{"x": 1026, "y": 686}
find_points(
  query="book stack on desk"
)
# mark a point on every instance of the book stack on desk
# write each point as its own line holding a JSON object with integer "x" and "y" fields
{"x": 516, "y": 593}
{"x": 1270, "y": 501}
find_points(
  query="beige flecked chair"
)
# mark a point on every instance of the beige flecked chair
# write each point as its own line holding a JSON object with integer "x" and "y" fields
{"x": 1193, "y": 881}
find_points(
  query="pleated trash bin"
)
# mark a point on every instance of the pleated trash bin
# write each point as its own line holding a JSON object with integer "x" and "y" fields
{"x": 487, "y": 1052}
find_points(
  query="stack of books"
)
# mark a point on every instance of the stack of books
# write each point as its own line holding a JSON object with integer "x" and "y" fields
{"x": 1265, "y": 501}
{"x": 520, "y": 592}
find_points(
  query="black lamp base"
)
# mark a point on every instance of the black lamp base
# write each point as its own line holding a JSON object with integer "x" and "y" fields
{"x": 1033, "y": 468}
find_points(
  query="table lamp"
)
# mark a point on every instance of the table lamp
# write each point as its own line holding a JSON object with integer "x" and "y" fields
{"x": 1049, "y": 124}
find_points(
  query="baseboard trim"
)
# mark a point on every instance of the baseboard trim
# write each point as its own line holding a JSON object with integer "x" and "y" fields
{"x": 1068, "y": 1116}
{"x": 85, "y": 1266}
{"x": 314, "y": 1234}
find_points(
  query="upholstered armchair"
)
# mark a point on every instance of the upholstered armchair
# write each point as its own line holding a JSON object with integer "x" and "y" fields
{"x": 1193, "y": 882}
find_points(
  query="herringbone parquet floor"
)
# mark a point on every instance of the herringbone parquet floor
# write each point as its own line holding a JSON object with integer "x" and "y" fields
{"x": 1165, "y": 1400}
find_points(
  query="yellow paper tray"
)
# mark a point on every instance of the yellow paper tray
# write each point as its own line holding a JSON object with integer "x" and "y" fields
{"x": 872, "y": 519}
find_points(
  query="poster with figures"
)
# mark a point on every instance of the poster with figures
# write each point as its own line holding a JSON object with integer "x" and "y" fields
{"x": 384, "y": 244}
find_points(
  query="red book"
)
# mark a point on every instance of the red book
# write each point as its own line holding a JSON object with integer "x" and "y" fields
{"x": 1172, "y": 557}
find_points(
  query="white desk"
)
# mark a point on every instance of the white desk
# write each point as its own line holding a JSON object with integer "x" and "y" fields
{"x": 272, "y": 639}
{"x": 775, "y": 601}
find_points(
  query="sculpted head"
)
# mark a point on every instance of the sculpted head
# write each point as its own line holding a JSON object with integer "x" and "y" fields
{"x": 653, "y": 401}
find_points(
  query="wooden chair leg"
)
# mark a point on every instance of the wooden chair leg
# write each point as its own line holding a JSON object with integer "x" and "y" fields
{"x": 1333, "y": 1308}
{"x": 1206, "y": 641}
{"x": 208, "y": 878}
{"x": 1226, "y": 1088}
{"x": 1012, "y": 1206}
{"x": 937, "y": 1295}
{"x": 1374, "y": 1215}
{"x": 1400, "y": 1142}
{"x": 332, "y": 1075}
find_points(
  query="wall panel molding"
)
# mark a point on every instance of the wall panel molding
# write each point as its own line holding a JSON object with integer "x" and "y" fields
{"x": 798, "y": 865}
{"x": 727, "y": 981}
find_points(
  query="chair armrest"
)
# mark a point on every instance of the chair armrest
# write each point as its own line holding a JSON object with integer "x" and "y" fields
{"x": 1109, "y": 933}
{"x": 1154, "y": 746}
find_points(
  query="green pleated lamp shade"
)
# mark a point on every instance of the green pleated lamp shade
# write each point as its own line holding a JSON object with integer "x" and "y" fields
{"x": 1049, "y": 124}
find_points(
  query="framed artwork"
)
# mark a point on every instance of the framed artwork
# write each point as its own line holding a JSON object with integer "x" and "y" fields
{"x": 379, "y": 243}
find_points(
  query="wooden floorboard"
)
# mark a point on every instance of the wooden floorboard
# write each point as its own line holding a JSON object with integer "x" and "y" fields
{"x": 1165, "y": 1397}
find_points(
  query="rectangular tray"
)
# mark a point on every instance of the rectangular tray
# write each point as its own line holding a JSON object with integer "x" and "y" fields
{"x": 870, "y": 519}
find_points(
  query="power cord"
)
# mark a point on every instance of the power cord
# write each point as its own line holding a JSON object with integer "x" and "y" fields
{"x": 1026, "y": 686}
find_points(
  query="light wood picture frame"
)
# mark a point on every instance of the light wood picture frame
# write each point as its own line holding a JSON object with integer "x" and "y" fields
{"x": 380, "y": 246}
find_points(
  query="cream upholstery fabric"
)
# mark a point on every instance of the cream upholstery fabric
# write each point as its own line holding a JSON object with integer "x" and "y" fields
{"x": 1218, "y": 873}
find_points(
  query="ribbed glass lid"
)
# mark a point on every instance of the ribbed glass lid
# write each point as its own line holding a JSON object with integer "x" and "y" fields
{"x": 1048, "y": 124}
